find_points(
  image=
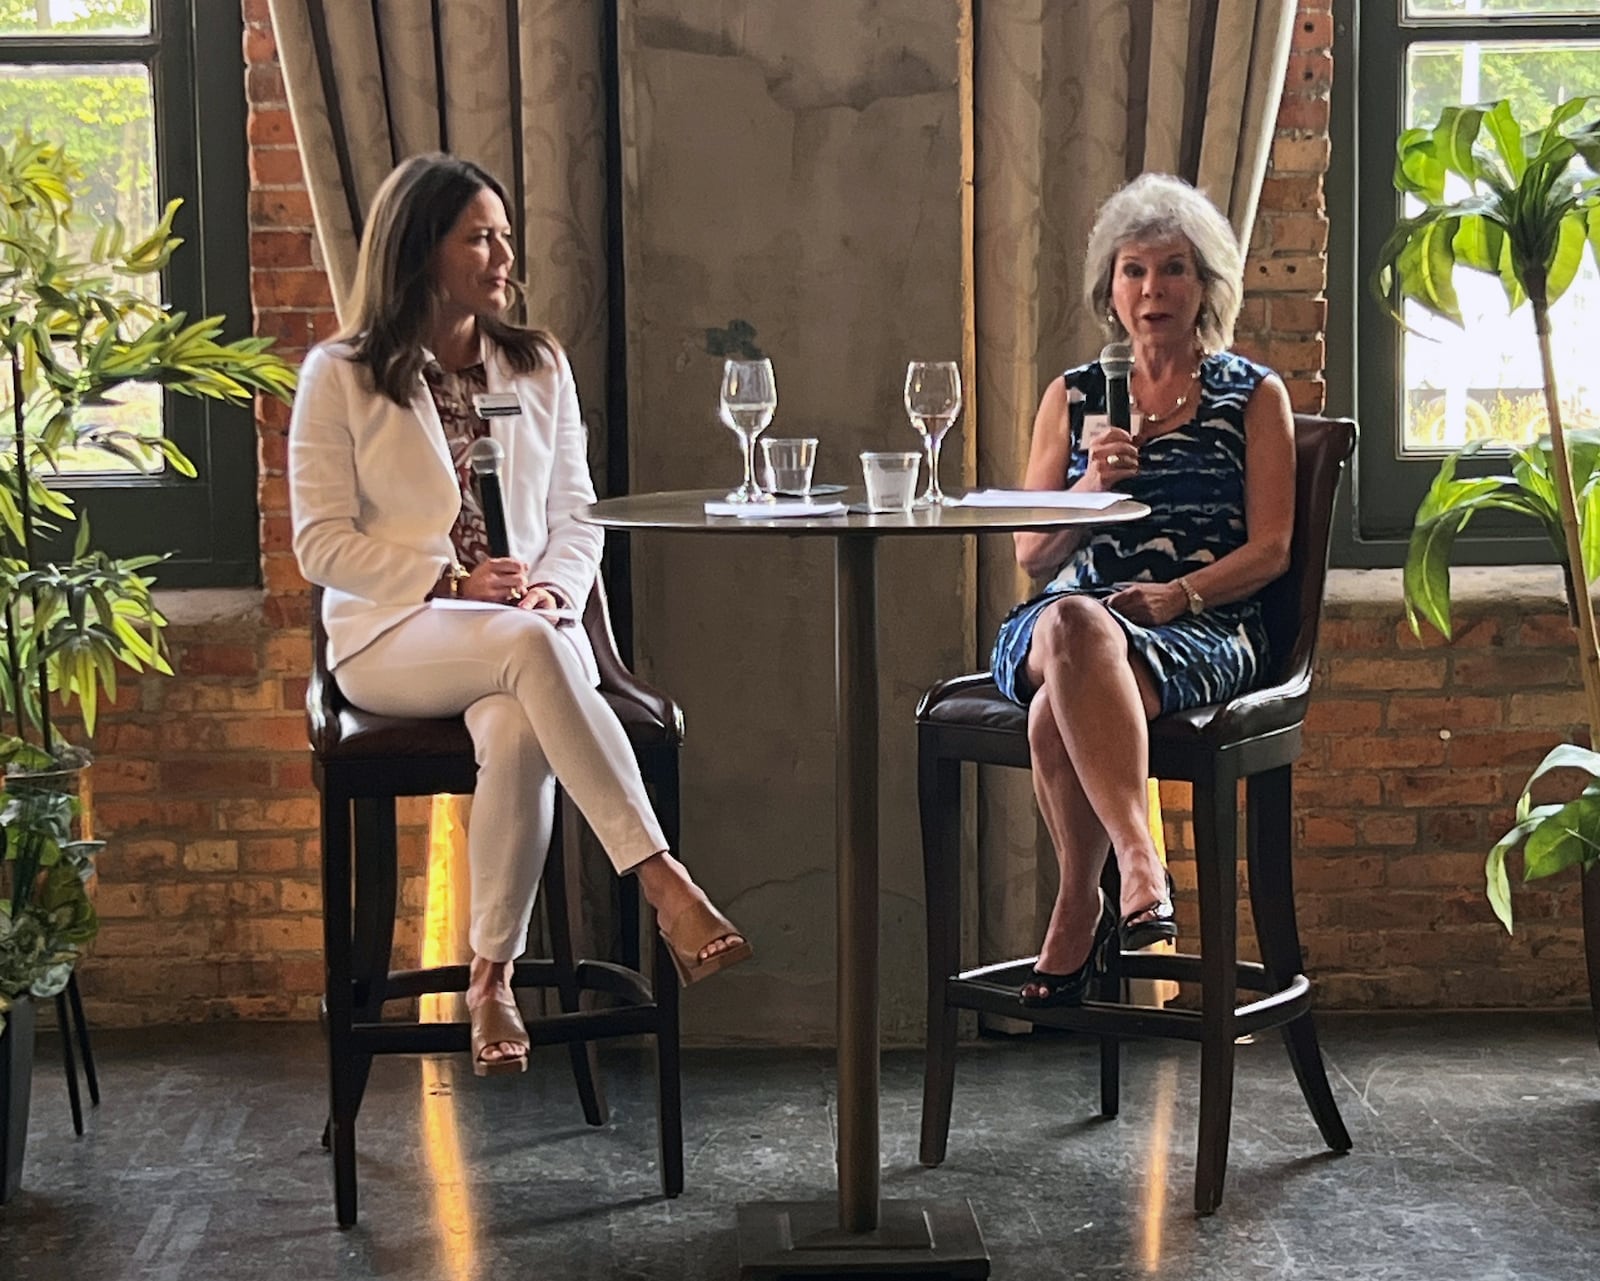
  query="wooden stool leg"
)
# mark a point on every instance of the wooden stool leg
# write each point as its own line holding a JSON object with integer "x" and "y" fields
{"x": 1270, "y": 844}
{"x": 561, "y": 900}
{"x": 1108, "y": 988}
{"x": 939, "y": 803}
{"x": 664, "y": 981}
{"x": 377, "y": 883}
{"x": 1216, "y": 860}
{"x": 669, "y": 1073}
{"x": 339, "y": 999}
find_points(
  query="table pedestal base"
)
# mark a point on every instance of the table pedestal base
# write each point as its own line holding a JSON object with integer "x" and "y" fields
{"x": 913, "y": 1238}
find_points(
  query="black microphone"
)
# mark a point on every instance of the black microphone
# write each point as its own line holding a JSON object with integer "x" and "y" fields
{"x": 1116, "y": 360}
{"x": 485, "y": 458}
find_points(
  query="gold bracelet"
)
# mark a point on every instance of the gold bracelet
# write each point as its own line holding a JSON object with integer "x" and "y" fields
{"x": 459, "y": 574}
{"x": 1197, "y": 602}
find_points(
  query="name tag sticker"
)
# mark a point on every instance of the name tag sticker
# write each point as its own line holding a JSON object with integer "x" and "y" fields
{"x": 496, "y": 404}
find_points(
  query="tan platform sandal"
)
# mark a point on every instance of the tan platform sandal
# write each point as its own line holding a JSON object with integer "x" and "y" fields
{"x": 495, "y": 1022}
{"x": 696, "y": 928}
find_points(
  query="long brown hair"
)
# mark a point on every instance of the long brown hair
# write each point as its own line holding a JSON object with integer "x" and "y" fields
{"x": 393, "y": 298}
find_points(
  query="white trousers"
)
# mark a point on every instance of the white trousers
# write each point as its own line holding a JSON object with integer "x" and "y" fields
{"x": 534, "y": 719}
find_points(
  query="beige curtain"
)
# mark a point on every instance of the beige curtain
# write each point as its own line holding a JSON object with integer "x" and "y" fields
{"x": 517, "y": 86}
{"x": 1070, "y": 101}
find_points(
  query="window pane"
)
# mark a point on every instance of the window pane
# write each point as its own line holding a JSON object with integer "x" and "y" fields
{"x": 103, "y": 116}
{"x": 1500, "y": 8}
{"x": 67, "y": 17}
{"x": 1484, "y": 380}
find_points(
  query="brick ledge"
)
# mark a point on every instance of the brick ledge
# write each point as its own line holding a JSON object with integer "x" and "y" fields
{"x": 1535, "y": 587}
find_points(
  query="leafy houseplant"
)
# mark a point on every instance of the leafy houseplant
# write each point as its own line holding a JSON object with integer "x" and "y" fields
{"x": 1531, "y": 212}
{"x": 74, "y": 329}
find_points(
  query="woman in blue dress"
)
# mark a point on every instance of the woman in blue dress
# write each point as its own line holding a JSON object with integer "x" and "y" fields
{"x": 1157, "y": 615}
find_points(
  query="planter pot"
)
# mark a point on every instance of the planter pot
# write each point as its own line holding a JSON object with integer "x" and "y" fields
{"x": 1591, "y": 939}
{"x": 16, "y": 1082}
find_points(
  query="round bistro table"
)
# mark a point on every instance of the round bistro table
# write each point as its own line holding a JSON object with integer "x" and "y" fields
{"x": 861, "y": 1233}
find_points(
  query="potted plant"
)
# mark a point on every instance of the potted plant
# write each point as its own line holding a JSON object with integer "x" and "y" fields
{"x": 1530, "y": 211}
{"x": 75, "y": 327}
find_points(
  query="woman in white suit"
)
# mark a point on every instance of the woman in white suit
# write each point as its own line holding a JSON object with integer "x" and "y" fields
{"x": 387, "y": 521}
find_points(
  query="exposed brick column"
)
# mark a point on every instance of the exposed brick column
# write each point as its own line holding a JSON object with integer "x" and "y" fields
{"x": 1285, "y": 313}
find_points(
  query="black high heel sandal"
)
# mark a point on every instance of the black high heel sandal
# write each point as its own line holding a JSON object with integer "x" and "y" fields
{"x": 1149, "y": 925}
{"x": 1069, "y": 989}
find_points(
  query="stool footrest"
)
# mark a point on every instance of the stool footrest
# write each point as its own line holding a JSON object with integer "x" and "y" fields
{"x": 549, "y": 1029}
{"x": 592, "y": 976}
{"x": 993, "y": 989}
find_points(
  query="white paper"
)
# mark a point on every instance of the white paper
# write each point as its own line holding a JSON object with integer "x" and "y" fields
{"x": 554, "y": 615}
{"x": 778, "y": 510}
{"x": 1067, "y": 500}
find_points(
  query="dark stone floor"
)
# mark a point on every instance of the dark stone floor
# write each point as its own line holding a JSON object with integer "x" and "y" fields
{"x": 1477, "y": 1157}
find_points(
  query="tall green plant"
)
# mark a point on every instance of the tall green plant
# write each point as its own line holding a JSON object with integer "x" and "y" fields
{"x": 1531, "y": 210}
{"x": 75, "y": 327}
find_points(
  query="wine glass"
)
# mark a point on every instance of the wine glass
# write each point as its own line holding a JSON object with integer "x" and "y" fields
{"x": 749, "y": 399}
{"x": 933, "y": 399}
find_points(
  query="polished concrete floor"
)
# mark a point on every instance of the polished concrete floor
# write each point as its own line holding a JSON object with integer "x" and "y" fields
{"x": 1477, "y": 1157}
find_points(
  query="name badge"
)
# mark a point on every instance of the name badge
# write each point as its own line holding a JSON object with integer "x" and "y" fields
{"x": 496, "y": 404}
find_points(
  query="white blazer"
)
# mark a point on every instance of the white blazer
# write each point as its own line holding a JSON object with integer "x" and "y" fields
{"x": 374, "y": 494}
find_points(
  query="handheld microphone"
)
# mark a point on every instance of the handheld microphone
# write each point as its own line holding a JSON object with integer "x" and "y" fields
{"x": 1116, "y": 359}
{"x": 485, "y": 458}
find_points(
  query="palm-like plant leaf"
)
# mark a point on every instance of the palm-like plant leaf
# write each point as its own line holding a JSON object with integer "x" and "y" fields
{"x": 1527, "y": 220}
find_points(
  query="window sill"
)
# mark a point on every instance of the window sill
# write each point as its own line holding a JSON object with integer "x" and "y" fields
{"x": 202, "y": 607}
{"x": 1473, "y": 589}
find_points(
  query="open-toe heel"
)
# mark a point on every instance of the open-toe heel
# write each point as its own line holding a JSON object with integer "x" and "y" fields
{"x": 497, "y": 1021}
{"x": 693, "y": 930}
{"x": 1151, "y": 924}
{"x": 1069, "y": 989}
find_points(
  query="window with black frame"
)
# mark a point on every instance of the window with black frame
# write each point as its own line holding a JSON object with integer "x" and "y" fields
{"x": 1422, "y": 393}
{"x": 124, "y": 85}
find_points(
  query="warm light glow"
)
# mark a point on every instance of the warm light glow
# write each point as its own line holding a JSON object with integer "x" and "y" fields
{"x": 443, "y": 912}
{"x": 1154, "y": 1201}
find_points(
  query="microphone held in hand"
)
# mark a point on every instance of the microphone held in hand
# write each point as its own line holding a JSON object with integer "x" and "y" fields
{"x": 1116, "y": 360}
{"x": 485, "y": 458}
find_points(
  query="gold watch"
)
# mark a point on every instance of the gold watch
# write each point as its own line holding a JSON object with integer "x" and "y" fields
{"x": 1197, "y": 602}
{"x": 459, "y": 573}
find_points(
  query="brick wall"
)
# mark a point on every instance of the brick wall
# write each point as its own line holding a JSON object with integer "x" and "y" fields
{"x": 209, "y": 886}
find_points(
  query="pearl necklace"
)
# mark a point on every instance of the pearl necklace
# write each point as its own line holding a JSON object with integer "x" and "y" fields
{"x": 1155, "y": 420}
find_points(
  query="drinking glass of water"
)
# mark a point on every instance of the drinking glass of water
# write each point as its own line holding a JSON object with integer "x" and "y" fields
{"x": 749, "y": 399}
{"x": 933, "y": 400}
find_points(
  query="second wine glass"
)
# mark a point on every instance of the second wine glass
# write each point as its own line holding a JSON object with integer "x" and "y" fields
{"x": 933, "y": 401}
{"x": 749, "y": 399}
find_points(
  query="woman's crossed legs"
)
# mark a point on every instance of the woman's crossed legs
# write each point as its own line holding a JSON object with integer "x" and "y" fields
{"x": 534, "y": 718}
{"x": 1088, "y": 731}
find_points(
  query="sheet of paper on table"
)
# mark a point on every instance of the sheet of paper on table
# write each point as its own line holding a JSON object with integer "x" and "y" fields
{"x": 447, "y": 603}
{"x": 780, "y": 509}
{"x": 1070, "y": 501}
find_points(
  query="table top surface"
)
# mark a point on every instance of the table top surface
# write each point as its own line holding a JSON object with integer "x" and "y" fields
{"x": 683, "y": 510}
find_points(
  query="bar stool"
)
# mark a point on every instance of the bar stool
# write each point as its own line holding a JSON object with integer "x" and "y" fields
{"x": 1255, "y": 737}
{"x": 361, "y": 763}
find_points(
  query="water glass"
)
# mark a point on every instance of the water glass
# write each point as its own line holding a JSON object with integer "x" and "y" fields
{"x": 891, "y": 480}
{"x": 787, "y": 464}
{"x": 749, "y": 399}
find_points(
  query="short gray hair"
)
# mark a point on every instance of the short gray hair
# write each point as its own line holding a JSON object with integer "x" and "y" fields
{"x": 1157, "y": 206}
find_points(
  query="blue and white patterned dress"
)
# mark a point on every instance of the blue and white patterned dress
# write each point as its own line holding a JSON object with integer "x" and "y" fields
{"x": 1192, "y": 479}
